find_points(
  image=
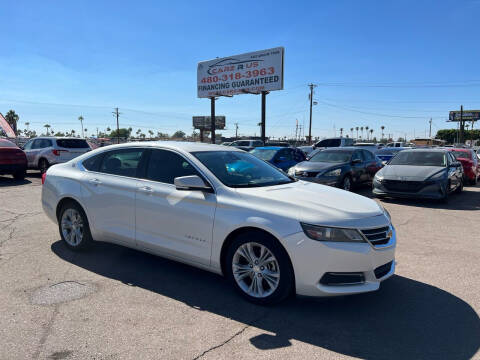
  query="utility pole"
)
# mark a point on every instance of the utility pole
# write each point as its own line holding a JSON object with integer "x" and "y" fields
{"x": 311, "y": 86}
{"x": 430, "y": 131}
{"x": 97, "y": 133}
{"x": 236, "y": 130}
{"x": 117, "y": 114}
{"x": 296, "y": 132}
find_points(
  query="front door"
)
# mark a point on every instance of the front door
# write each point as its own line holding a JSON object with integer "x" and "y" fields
{"x": 170, "y": 221}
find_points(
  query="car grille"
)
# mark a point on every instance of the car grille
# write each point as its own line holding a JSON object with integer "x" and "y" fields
{"x": 404, "y": 186}
{"x": 377, "y": 236}
{"x": 306, "y": 173}
{"x": 383, "y": 270}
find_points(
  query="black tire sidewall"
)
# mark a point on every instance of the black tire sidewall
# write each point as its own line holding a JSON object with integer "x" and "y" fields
{"x": 87, "y": 237}
{"x": 40, "y": 165}
{"x": 287, "y": 280}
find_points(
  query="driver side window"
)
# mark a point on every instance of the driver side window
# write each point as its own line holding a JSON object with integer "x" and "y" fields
{"x": 28, "y": 145}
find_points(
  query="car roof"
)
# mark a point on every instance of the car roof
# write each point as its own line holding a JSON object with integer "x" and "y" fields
{"x": 426, "y": 150}
{"x": 185, "y": 146}
{"x": 341, "y": 148}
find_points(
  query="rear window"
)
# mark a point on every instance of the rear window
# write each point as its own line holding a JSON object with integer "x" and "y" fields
{"x": 462, "y": 155}
{"x": 72, "y": 143}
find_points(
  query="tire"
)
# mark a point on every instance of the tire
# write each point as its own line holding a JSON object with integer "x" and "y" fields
{"x": 43, "y": 165}
{"x": 346, "y": 184}
{"x": 459, "y": 189}
{"x": 244, "y": 254}
{"x": 77, "y": 236}
{"x": 444, "y": 199}
{"x": 20, "y": 175}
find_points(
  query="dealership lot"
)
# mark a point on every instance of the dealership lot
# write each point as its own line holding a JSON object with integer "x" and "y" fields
{"x": 113, "y": 302}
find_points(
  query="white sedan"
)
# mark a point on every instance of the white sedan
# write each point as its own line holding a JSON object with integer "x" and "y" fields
{"x": 226, "y": 211}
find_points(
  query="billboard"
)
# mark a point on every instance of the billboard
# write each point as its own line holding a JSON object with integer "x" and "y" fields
{"x": 204, "y": 122}
{"x": 239, "y": 74}
{"x": 4, "y": 125}
{"x": 468, "y": 115}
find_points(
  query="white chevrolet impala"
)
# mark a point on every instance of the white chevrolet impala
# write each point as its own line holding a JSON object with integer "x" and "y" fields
{"x": 226, "y": 211}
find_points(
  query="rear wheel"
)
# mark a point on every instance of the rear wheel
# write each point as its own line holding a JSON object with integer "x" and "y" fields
{"x": 73, "y": 226}
{"x": 259, "y": 268}
{"x": 459, "y": 188}
{"x": 43, "y": 166}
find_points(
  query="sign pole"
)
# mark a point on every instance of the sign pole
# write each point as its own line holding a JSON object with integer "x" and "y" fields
{"x": 201, "y": 135}
{"x": 212, "y": 118}
{"x": 264, "y": 98}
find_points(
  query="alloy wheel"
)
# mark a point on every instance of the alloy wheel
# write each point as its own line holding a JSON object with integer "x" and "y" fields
{"x": 256, "y": 270}
{"x": 72, "y": 227}
{"x": 347, "y": 184}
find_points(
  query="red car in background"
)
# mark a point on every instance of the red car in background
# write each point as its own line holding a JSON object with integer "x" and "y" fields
{"x": 13, "y": 160}
{"x": 469, "y": 160}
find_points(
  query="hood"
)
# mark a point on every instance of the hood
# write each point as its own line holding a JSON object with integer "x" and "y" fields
{"x": 317, "y": 166}
{"x": 409, "y": 172}
{"x": 311, "y": 203}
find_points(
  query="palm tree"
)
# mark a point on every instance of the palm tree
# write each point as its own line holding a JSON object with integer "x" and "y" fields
{"x": 351, "y": 130}
{"x": 73, "y": 132}
{"x": 383, "y": 128}
{"x": 150, "y": 132}
{"x": 108, "y": 129}
{"x": 357, "y": 131}
{"x": 80, "y": 118}
{"x": 46, "y": 126}
{"x": 361, "y": 129}
{"x": 366, "y": 128}
{"x": 371, "y": 133}
{"x": 26, "y": 124}
{"x": 341, "y": 132}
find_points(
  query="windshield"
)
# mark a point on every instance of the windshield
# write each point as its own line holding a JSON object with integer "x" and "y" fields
{"x": 420, "y": 158}
{"x": 264, "y": 154}
{"x": 462, "y": 155}
{"x": 239, "y": 169}
{"x": 332, "y": 156}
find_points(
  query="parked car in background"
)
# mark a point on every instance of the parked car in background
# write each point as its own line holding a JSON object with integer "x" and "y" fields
{"x": 269, "y": 235}
{"x": 281, "y": 157}
{"x": 374, "y": 148}
{"x": 343, "y": 167}
{"x": 420, "y": 173}
{"x": 387, "y": 153}
{"x": 12, "y": 160}
{"x": 42, "y": 152}
{"x": 470, "y": 163}
{"x": 246, "y": 145}
{"x": 226, "y": 143}
{"x": 306, "y": 149}
{"x": 333, "y": 142}
{"x": 397, "y": 144}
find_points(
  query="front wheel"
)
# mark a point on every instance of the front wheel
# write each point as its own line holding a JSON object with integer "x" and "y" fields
{"x": 259, "y": 268}
{"x": 459, "y": 188}
{"x": 347, "y": 183}
{"x": 74, "y": 228}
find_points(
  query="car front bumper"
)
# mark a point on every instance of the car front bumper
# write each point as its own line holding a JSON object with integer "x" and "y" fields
{"x": 433, "y": 191}
{"x": 313, "y": 260}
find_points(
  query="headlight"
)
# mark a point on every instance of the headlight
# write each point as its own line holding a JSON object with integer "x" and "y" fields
{"x": 438, "y": 176}
{"x": 335, "y": 172}
{"x": 291, "y": 171}
{"x": 322, "y": 233}
{"x": 378, "y": 177}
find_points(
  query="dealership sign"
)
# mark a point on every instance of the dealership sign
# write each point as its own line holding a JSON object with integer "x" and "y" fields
{"x": 204, "y": 122}
{"x": 241, "y": 74}
{"x": 468, "y": 115}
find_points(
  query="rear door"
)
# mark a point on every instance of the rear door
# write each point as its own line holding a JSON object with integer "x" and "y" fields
{"x": 170, "y": 221}
{"x": 371, "y": 165}
{"x": 108, "y": 188}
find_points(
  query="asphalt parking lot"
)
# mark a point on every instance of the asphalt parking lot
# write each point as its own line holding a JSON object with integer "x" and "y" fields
{"x": 117, "y": 303}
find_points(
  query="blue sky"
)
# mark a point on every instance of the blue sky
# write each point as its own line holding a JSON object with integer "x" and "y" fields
{"x": 391, "y": 63}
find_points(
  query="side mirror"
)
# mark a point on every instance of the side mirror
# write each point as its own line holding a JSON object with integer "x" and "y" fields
{"x": 356, "y": 161}
{"x": 192, "y": 182}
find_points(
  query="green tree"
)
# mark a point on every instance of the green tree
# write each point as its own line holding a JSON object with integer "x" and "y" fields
{"x": 12, "y": 119}
{"x": 150, "y": 132}
{"x": 59, "y": 133}
{"x": 122, "y": 133}
{"x": 179, "y": 134}
{"x": 47, "y": 127}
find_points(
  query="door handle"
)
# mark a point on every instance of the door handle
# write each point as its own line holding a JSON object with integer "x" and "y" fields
{"x": 147, "y": 189}
{"x": 95, "y": 181}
